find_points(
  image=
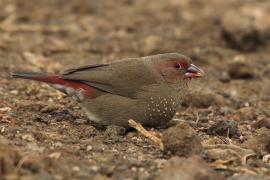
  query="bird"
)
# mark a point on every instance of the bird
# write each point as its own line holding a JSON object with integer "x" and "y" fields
{"x": 147, "y": 89}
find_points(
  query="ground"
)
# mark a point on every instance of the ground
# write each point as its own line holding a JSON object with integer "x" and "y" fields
{"x": 46, "y": 135}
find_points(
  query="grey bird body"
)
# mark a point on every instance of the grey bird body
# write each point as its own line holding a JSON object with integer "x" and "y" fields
{"x": 153, "y": 107}
{"x": 146, "y": 89}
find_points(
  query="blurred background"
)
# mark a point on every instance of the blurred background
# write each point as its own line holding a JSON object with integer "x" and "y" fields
{"x": 228, "y": 39}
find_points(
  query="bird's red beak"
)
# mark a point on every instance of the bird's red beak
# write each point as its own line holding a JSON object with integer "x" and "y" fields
{"x": 194, "y": 72}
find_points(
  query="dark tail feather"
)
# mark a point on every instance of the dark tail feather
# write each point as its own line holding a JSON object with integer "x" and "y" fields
{"x": 37, "y": 76}
{"x": 55, "y": 79}
{"x": 29, "y": 75}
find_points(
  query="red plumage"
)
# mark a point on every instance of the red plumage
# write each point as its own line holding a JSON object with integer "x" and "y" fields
{"x": 54, "y": 79}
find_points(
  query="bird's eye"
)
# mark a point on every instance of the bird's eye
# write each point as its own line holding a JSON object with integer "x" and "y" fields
{"x": 177, "y": 66}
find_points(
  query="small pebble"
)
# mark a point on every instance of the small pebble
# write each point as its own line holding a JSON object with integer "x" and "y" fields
{"x": 14, "y": 92}
{"x": 89, "y": 148}
{"x": 75, "y": 168}
{"x": 28, "y": 137}
{"x": 224, "y": 77}
{"x": 55, "y": 155}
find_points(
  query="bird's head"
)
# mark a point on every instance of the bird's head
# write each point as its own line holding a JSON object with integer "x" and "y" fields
{"x": 174, "y": 67}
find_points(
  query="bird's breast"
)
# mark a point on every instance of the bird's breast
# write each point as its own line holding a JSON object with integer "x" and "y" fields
{"x": 159, "y": 110}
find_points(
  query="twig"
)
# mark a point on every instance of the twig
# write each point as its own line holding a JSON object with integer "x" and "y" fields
{"x": 146, "y": 133}
{"x": 238, "y": 149}
{"x": 31, "y": 28}
{"x": 197, "y": 117}
{"x": 21, "y": 162}
{"x": 226, "y": 146}
{"x": 245, "y": 158}
{"x": 235, "y": 169}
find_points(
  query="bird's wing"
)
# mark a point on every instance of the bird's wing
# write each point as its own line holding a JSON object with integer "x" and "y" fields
{"x": 123, "y": 78}
{"x": 96, "y": 76}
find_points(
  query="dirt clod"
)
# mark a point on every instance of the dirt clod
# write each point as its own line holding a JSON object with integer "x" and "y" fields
{"x": 239, "y": 33}
{"x": 241, "y": 70}
{"x": 246, "y": 113}
{"x": 9, "y": 159}
{"x": 224, "y": 128}
{"x": 182, "y": 140}
{"x": 192, "y": 168}
{"x": 259, "y": 141}
{"x": 203, "y": 99}
{"x": 249, "y": 177}
{"x": 114, "y": 131}
{"x": 261, "y": 121}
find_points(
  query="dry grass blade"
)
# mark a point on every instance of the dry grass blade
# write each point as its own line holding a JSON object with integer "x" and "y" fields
{"x": 146, "y": 133}
{"x": 245, "y": 158}
{"x": 242, "y": 153}
{"x": 229, "y": 146}
{"x": 32, "y": 28}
